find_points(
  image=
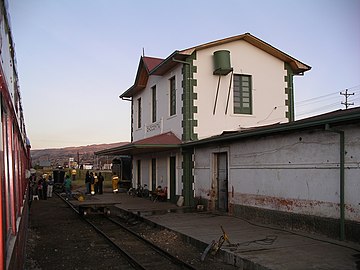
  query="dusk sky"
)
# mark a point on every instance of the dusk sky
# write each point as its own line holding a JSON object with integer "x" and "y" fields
{"x": 75, "y": 57}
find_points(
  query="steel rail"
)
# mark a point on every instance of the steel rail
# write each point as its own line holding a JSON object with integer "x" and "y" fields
{"x": 132, "y": 261}
{"x": 174, "y": 259}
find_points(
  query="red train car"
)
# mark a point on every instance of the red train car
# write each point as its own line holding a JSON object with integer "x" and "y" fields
{"x": 14, "y": 155}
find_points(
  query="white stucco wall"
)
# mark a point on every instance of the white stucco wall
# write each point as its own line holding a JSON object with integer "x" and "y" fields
{"x": 164, "y": 122}
{"x": 162, "y": 170}
{"x": 297, "y": 172}
{"x": 268, "y": 93}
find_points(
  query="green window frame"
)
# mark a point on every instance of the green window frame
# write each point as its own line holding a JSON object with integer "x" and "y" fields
{"x": 172, "y": 96}
{"x": 153, "y": 98}
{"x": 242, "y": 94}
{"x": 139, "y": 113}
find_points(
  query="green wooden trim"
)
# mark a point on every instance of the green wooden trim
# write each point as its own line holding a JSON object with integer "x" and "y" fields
{"x": 139, "y": 112}
{"x": 153, "y": 104}
{"x": 188, "y": 177}
{"x": 289, "y": 90}
{"x": 132, "y": 120}
{"x": 241, "y": 108}
{"x": 172, "y": 96}
{"x": 188, "y": 110}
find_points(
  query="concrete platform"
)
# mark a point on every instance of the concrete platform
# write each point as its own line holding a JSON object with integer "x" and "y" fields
{"x": 253, "y": 246}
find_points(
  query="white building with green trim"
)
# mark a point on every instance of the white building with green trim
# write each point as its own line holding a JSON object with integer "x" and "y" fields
{"x": 230, "y": 84}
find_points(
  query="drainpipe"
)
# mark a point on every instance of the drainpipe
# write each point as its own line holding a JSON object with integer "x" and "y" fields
{"x": 342, "y": 179}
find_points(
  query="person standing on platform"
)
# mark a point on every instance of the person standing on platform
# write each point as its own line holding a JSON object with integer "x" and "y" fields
{"x": 87, "y": 182}
{"x": 40, "y": 188}
{"x": 115, "y": 182}
{"x": 44, "y": 188}
{"x": 96, "y": 186}
{"x": 73, "y": 174}
{"x": 50, "y": 186}
{"x": 100, "y": 183}
{"x": 68, "y": 185}
{"x": 92, "y": 183}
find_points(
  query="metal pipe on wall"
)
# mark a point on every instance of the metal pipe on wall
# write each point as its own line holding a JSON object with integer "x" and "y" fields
{"x": 342, "y": 178}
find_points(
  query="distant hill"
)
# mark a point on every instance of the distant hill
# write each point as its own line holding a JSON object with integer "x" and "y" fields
{"x": 59, "y": 156}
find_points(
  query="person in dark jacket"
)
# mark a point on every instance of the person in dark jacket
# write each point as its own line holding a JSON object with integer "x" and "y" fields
{"x": 87, "y": 182}
{"x": 50, "y": 186}
{"x": 44, "y": 188}
{"x": 68, "y": 186}
{"x": 96, "y": 183}
{"x": 100, "y": 183}
{"x": 92, "y": 183}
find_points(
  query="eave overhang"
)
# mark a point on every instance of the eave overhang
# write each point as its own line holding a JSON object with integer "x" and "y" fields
{"x": 143, "y": 73}
{"x": 297, "y": 66}
{"x": 159, "y": 143}
{"x": 169, "y": 63}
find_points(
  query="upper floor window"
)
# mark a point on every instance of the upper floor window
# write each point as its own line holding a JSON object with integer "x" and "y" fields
{"x": 242, "y": 94}
{"x": 153, "y": 103}
{"x": 139, "y": 113}
{"x": 172, "y": 97}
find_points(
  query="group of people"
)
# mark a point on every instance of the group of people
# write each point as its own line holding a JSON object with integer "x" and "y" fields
{"x": 94, "y": 183}
{"x": 41, "y": 187}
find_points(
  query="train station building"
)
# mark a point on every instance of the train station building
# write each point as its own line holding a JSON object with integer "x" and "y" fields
{"x": 230, "y": 84}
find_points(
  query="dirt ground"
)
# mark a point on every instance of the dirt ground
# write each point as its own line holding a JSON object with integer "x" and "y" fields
{"x": 58, "y": 239}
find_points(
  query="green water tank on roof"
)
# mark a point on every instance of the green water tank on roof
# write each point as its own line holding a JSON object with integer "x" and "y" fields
{"x": 222, "y": 64}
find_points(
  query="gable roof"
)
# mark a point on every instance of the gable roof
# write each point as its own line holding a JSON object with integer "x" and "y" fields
{"x": 146, "y": 64}
{"x": 297, "y": 66}
{"x": 156, "y": 66}
{"x": 151, "y": 62}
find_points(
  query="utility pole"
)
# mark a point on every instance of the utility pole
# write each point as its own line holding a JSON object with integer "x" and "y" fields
{"x": 346, "y": 95}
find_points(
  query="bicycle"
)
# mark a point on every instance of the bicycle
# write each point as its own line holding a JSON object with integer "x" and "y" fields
{"x": 214, "y": 246}
{"x": 140, "y": 191}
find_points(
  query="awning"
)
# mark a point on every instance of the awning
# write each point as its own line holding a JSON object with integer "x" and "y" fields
{"x": 159, "y": 143}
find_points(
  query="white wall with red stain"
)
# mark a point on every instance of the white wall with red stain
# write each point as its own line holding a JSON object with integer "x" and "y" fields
{"x": 298, "y": 172}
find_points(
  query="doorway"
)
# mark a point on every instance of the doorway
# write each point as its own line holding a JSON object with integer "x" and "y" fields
{"x": 221, "y": 161}
{"x": 153, "y": 174}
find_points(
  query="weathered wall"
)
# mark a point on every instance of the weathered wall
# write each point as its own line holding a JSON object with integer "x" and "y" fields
{"x": 295, "y": 173}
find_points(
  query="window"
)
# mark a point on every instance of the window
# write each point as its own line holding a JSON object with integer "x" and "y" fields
{"x": 139, "y": 113}
{"x": 242, "y": 94}
{"x": 172, "y": 97}
{"x": 153, "y": 90}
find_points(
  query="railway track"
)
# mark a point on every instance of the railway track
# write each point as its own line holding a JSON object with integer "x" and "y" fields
{"x": 139, "y": 252}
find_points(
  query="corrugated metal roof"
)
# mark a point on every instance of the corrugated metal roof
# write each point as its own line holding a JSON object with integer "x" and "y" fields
{"x": 339, "y": 117}
{"x": 164, "y": 138}
{"x": 151, "y": 62}
{"x": 162, "y": 142}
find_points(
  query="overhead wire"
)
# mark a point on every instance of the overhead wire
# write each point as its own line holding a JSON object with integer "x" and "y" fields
{"x": 309, "y": 107}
